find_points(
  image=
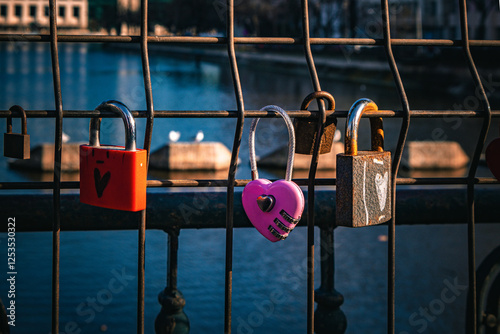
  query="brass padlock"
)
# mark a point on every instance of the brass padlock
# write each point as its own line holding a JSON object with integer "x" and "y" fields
{"x": 16, "y": 145}
{"x": 306, "y": 130}
{"x": 363, "y": 177}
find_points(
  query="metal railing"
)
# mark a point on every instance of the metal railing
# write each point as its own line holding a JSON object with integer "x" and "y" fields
{"x": 231, "y": 216}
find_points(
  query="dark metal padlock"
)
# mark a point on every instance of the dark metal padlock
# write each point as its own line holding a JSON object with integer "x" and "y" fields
{"x": 17, "y": 145}
{"x": 363, "y": 177}
{"x": 306, "y": 130}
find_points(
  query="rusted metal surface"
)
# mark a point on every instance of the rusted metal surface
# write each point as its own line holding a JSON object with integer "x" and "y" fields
{"x": 243, "y": 40}
{"x": 363, "y": 189}
{"x": 403, "y": 133}
{"x": 252, "y": 114}
{"x": 230, "y": 213}
{"x": 471, "y": 230}
{"x": 148, "y": 91}
{"x": 242, "y": 183}
{"x": 306, "y": 130}
{"x": 321, "y": 120}
{"x": 352, "y": 125}
{"x": 56, "y": 193}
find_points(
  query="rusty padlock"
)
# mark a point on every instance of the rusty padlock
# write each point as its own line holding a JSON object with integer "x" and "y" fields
{"x": 113, "y": 177}
{"x": 306, "y": 130}
{"x": 363, "y": 177}
{"x": 17, "y": 145}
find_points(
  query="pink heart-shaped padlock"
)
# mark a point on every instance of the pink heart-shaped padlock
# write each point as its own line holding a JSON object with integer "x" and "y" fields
{"x": 280, "y": 217}
{"x": 274, "y": 208}
{"x": 492, "y": 154}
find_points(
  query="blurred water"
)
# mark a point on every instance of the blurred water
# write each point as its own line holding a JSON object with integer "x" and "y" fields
{"x": 98, "y": 269}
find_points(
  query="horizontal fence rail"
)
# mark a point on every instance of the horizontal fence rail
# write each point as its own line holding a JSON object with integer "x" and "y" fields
{"x": 250, "y": 114}
{"x": 243, "y": 40}
{"x": 242, "y": 183}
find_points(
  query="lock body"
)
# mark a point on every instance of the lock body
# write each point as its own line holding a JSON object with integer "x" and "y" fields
{"x": 283, "y": 214}
{"x": 112, "y": 177}
{"x": 16, "y": 145}
{"x": 306, "y": 131}
{"x": 363, "y": 192}
{"x": 274, "y": 208}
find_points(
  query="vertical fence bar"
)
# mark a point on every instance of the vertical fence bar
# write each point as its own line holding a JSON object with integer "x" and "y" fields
{"x": 141, "y": 267}
{"x": 56, "y": 227}
{"x": 172, "y": 318}
{"x": 405, "y": 124}
{"x": 313, "y": 167}
{"x": 472, "y": 318}
{"x": 173, "y": 248}
{"x": 146, "y": 72}
{"x": 310, "y": 219}
{"x": 141, "y": 261}
{"x": 330, "y": 319}
{"x": 232, "y": 167}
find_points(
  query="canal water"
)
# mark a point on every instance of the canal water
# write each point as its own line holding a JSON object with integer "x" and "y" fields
{"x": 98, "y": 269}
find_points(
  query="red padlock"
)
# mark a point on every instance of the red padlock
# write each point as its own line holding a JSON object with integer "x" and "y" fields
{"x": 113, "y": 177}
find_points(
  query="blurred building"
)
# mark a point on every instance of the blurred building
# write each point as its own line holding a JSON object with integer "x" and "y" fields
{"x": 34, "y": 14}
{"x": 428, "y": 19}
{"x": 329, "y": 18}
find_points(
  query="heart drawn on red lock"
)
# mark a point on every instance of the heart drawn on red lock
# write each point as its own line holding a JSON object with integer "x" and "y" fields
{"x": 274, "y": 208}
{"x": 493, "y": 157}
{"x": 101, "y": 183}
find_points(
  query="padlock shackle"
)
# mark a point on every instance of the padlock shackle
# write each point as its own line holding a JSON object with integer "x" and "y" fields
{"x": 319, "y": 95}
{"x": 24, "y": 122}
{"x": 352, "y": 125}
{"x": 291, "y": 142}
{"x": 128, "y": 122}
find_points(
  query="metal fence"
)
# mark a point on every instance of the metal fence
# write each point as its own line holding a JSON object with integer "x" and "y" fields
{"x": 231, "y": 215}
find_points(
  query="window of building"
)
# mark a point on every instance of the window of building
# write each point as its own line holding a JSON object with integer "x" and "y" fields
{"x": 76, "y": 11}
{"x": 47, "y": 11}
{"x": 3, "y": 10}
{"x": 33, "y": 11}
{"x": 62, "y": 11}
{"x": 18, "y": 10}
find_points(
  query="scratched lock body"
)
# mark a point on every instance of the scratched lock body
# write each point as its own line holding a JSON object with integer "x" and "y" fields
{"x": 306, "y": 131}
{"x": 113, "y": 177}
{"x": 363, "y": 192}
